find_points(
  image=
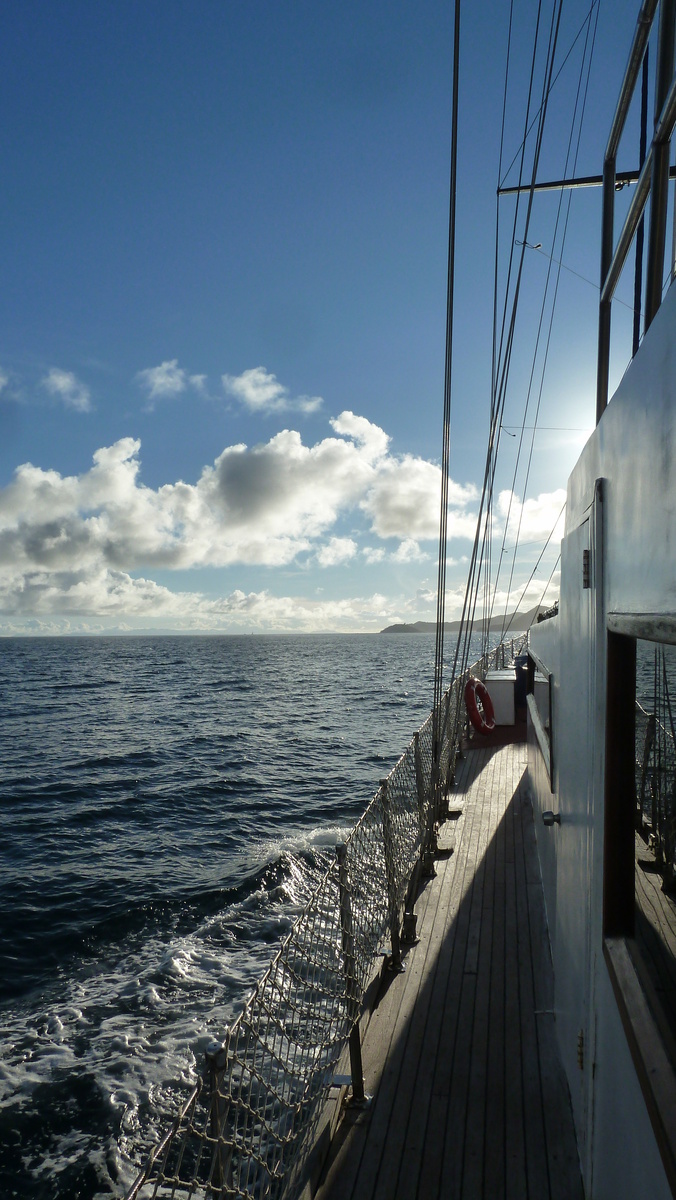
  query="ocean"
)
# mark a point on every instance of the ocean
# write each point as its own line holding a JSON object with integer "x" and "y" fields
{"x": 167, "y": 805}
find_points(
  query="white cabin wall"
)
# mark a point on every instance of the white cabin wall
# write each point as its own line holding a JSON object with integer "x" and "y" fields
{"x": 630, "y": 526}
{"x": 628, "y": 1163}
{"x": 544, "y": 638}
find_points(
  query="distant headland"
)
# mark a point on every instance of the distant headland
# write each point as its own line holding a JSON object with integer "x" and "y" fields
{"x": 514, "y": 622}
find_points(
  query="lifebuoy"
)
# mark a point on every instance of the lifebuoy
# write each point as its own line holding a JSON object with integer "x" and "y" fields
{"x": 476, "y": 692}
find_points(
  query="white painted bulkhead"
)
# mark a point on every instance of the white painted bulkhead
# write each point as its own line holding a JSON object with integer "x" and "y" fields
{"x": 622, "y": 508}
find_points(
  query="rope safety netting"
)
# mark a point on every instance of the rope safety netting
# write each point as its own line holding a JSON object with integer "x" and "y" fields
{"x": 248, "y": 1125}
{"x": 655, "y": 778}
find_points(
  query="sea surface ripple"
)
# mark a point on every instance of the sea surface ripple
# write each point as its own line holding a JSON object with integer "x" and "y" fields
{"x": 166, "y": 806}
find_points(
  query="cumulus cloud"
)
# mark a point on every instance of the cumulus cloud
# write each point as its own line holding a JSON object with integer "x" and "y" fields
{"x": 534, "y": 519}
{"x": 337, "y": 550}
{"x": 264, "y": 504}
{"x": 166, "y": 381}
{"x": 409, "y": 551}
{"x": 260, "y": 391}
{"x": 68, "y": 388}
{"x": 4, "y": 380}
{"x": 68, "y": 539}
{"x": 403, "y": 501}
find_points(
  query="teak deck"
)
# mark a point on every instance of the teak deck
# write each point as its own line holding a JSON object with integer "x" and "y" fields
{"x": 469, "y": 1096}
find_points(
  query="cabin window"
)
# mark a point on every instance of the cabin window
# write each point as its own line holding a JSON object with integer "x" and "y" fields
{"x": 640, "y": 851}
{"x": 655, "y": 822}
{"x": 539, "y": 702}
{"x": 639, "y": 881}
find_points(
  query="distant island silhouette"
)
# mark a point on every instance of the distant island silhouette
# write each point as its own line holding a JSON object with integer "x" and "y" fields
{"x": 517, "y": 622}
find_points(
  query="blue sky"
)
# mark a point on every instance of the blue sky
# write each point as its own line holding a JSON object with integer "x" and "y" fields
{"x": 223, "y": 236}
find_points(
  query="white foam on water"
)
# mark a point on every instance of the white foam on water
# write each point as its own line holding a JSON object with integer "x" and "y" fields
{"x": 136, "y": 1030}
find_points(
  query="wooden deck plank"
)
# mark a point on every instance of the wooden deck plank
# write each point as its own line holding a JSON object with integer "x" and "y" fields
{"x": 419, "y": 1039}
{"x": 494, "y": 1174}
{"x": 470, "y": 1098}
{"x": 475, "y": 1120}
{"x": 537, "y": 1171}
{"x": 382, "y": 1062}
{"x": 426, "y": 1125}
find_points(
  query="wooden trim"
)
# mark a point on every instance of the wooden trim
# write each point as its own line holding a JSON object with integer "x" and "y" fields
{"x": 653, "y": 627}
{"x": 654, "y": 1068}
{"x": 541, "y": 735}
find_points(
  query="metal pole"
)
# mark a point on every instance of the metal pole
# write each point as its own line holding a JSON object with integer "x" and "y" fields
{"x": 607, "y": 222}
{"x": 660, "y": 170}
{"x": 643, "y": 23}
{"x": 349, "y": 966}
{"x": 450, "y": 764}
{"x": 215, "y": 1062}
{"x": 638, "y": 273}
{"x": 395, "y": 963}
{"x": 421, "y": 790}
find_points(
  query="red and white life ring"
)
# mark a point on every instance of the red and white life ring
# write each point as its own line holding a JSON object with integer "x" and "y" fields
{"x": 476, "y": 692}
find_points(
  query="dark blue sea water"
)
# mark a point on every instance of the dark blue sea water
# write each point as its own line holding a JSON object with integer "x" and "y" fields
{"x": 166, "y": 805}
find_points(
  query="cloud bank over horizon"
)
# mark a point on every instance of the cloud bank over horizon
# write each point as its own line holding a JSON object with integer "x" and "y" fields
{"x": 87, "y": 545}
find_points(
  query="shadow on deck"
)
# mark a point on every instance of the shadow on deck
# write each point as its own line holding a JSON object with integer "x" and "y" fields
{"x": 469, "y": 1096}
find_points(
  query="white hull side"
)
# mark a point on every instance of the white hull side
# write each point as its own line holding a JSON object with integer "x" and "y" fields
{"x": 629, "y": 525}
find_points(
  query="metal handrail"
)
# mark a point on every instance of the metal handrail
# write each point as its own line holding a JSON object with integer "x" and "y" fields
{"x": 654, "y": 177}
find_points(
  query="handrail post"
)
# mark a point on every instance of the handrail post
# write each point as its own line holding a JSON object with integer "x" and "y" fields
{"x": 349, "y": 967}
{"x": 647, "y": 749}
{"x": 442, "y": 811}
{"x": 607, "y": 235}
{"x": 395, "y": 963}
{"x": 659, "y": 187}
{"x": 421, "y": 790}
{"x": 215, "y": 1062}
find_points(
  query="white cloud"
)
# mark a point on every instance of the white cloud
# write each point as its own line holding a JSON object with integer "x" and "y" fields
{"x": 373, "y": 440}
{"x": 526, "y": 595}
{"x": 404, "y": 500}
{"x": 536, "y": 518}
{"x": 409, "y": 551}
{"x": 167, "y": 380}
{"x": 68, "y": 388}
{"x": 4, "y": 380}
{"x": 260, "y": 391}
{"x": 98, "y": 599}
{"x": 337, "y": 550}
{"x": 75, "y": 542}
{"x": 262, "y": 505}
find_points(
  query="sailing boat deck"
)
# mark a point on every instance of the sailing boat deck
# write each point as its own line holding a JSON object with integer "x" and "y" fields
{"x": 469, "y": 1097}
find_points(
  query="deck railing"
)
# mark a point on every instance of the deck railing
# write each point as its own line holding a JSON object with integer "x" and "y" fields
{"x": 245, "y": 1128}
{"x": 655, "y": 760}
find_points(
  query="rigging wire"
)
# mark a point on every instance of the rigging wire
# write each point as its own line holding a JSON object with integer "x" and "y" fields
{"x": 506, "y": 360}
{"x": 496, "y": 268}
{"x": 572, "y": 46}
{"x": 471, "y": 591}
{"x": 544, "y": 590}
{"x": 533, "y": 572}
{"x": 552, "y": 312}
{"x": 615, "y": 300}
{"x": 446, "y": 433}
{"x": 499, "y": 389}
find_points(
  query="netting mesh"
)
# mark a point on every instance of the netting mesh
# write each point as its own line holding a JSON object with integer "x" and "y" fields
{"x": 243, "y": 1126}
{"x": 655, "y": 775}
